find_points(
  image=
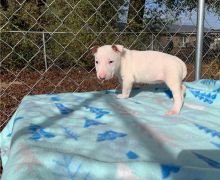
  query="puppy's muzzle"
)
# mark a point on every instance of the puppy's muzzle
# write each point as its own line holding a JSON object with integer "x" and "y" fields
{"x": 102, "y": 79}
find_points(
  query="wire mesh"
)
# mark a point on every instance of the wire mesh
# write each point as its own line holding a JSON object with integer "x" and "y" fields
{"x": 45, "y": 43}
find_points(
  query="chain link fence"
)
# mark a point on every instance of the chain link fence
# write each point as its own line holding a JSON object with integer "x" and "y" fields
{"x": 45, "y": 43}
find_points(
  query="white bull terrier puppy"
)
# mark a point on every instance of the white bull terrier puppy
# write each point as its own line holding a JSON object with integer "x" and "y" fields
{"x": 132, "y": 66}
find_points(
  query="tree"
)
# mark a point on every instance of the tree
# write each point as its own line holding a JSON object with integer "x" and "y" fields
{"x": 136, "y": 14}
{"x": 82, "y": 23}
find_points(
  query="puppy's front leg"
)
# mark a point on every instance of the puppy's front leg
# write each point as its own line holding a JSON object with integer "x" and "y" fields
{"x": 120, "y": 81}
{"x": 126, "y": 89}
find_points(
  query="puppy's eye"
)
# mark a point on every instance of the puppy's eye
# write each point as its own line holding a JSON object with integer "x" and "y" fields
{"x": 110, "y": 62}
{"x": 96, "y": 62}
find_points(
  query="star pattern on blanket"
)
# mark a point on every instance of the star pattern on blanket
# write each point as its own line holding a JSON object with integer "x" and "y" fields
{"x": 91, "y": 122}
{"x": 208, "y": 82}
{"x": 217, "y": 90}
{"x": 55, "y": 98}
{"x": 70, "y": 134}
{"x": 206, "y": 97}
{"x": 110, "y": 135}
{"x": 207, "y": 130}
{"x": 67, "y": 168}
{"x": 99, "y": 112}
{"x": 63, "y": 109}
{"x": 167, "y": 169}
{"x": 132, "y": 155}
{"x": 39, "y": 132}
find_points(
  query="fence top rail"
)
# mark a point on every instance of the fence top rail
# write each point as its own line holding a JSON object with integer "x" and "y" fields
{"x": 105, "y": 32}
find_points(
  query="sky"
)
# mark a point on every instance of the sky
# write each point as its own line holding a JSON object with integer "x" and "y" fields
{"x": 211, "y": 20}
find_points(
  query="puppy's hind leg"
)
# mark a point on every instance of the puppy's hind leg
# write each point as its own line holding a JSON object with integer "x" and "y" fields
{"x": 178, "y": 92}
{"x": 183, "y": 88}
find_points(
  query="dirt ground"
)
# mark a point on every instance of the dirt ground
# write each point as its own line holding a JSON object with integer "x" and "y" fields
{"x": 14, "y": 86}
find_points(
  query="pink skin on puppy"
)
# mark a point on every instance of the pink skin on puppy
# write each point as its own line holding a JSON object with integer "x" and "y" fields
{"x": 107, "y": 61}
{"x": 131, "y": 66}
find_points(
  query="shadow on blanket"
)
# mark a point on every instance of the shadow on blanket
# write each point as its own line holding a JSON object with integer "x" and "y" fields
{"x": 174, "y": 164}
{"x": 54, "y": 119}
{"x": 155, "y": 88}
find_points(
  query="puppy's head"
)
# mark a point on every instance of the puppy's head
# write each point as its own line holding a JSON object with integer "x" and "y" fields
{"x": 107, "y": 60}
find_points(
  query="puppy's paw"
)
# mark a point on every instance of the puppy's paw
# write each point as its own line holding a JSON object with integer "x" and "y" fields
{"x": 171, "y": 112}
{"x": 122, "y": 96}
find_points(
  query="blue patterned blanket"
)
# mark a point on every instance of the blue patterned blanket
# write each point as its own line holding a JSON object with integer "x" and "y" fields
{"x": 94, "y": 135}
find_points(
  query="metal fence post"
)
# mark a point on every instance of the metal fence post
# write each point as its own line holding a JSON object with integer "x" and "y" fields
{"x": 199, "y": 38}
{"x": 44, "y": 50}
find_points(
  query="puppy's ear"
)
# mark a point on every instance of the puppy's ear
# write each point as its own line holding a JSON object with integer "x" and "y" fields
{"x": 118, "y": 48}
{"x": 94, "y": 49}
